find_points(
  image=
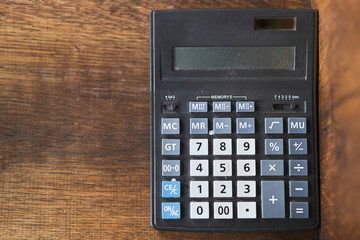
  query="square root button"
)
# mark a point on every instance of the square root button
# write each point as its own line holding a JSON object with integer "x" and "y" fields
{"x": 274, "y": 126}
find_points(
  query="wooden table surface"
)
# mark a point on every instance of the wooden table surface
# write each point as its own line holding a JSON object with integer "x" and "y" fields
{"x": 74, "y": 119}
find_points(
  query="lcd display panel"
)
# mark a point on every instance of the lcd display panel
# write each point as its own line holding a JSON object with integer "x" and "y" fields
{"x": 234, "y": 58}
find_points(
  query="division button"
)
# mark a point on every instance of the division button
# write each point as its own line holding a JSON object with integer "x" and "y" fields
{"x": 274, "y": 147}
{"x": 298, "y": 146}
{"x": 222, "y": 125}
{"x": 171, "y": 210}
{"x": 298, "y": 189}
{"x": 199, "y": 126}
{"x": 170, "y": 126}
{"x": 170, "y": 168}
{"x": 272, "y": 199}
{"x": 272, "y": 167}
{"x": 299, "y": 210}
{"x": 296, "y": 125}
{"x": 221, "y": 107}
{"x": 170, "y": 147}
{"x": 274, "y": 126}
{"x": 245, "y": 106}
{"x": 246, "y": 210}
{"x": 245, "y": 125}
{"x": 198, "y": 107}
{"x": 171, "y": 189}
{"x": 298, "y": 168}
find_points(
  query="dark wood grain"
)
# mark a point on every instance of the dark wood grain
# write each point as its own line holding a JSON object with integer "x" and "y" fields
{"x": 74, "y": 119}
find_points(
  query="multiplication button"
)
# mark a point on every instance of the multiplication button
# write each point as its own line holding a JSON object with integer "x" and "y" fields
{"x": 171, "y": 210}
{"x": 272, "y": 167}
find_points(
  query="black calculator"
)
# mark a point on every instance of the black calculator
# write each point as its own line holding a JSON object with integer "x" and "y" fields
{"x": 234, "y": 120}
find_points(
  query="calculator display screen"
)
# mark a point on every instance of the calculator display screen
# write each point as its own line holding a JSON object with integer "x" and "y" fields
{"x": 234, "y": 58}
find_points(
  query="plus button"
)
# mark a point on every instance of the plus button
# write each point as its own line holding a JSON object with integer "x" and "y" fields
{"x": 273, "y": 199}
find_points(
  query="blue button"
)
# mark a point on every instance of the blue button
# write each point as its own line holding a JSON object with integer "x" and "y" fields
{"x": 170, "y": 189}
{"x": 171, "y": 210}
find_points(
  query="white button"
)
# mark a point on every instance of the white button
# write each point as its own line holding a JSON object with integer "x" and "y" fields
{"x": 246, "y": 209}
{"x": 246, "y": 188}
{"x": 222, "y": 146}
{"x": 223, "y": 210}
{"x": 222, "y": 168}
{"x": 199, "y": 189}
{"x": 199, "y": 147}
{"x": 246, "y": 167}
{"x": 245, "y": 146}
{"x": 222, "y": 188}
{"x": 199, "y": 168}
{"x": 199, "y": 210}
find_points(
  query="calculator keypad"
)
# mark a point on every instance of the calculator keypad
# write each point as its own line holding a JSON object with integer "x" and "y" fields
{"x": 224, "y": 172}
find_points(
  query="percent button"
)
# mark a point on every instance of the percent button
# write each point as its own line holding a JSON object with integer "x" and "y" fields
{"x": 274, "y": 147}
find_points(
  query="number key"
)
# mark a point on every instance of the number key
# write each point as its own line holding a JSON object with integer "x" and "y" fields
{"x": 246, "y": 188}
{"x": 199, "y": 147}
{"x": 222, "y": 188}
{"x": 245, "y": 146}
{"x": 246, "y": 167}
{"x": 199, "y": 168}
{"x": 222, "y": 168}
{"x": 222, "y": 146}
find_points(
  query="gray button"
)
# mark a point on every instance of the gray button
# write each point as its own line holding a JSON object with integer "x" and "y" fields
{"x": 272, "y": 167}
{"x": 198, "y": 107}
{"x": 199, "y": 126}
{"x": 274, "y": 126}
{"x": 274, "y": 147}
{"x": 222, "y": 125}
{"x": 299, "y": 210}
{"x": 272, "y": 199}
{"x": 170, "y": 147}
{"x": 170, "y": 126}
{"x": 297, "y": 146}
{"x": 245, "y": 125}
{"x": 298, "y": 188}
{"x": 170, "y": 168}
{"x": 221, "y": 107}
{"x": 245, "y": 106}
{"x": 298, "y": 168}
{"x": 296, "y": 125}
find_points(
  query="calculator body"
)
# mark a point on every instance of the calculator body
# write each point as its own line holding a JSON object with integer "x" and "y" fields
{"x": 234, "y": 120}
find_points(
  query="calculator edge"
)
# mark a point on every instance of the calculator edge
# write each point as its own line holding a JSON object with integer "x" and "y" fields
{"x": 316, "y": 137}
